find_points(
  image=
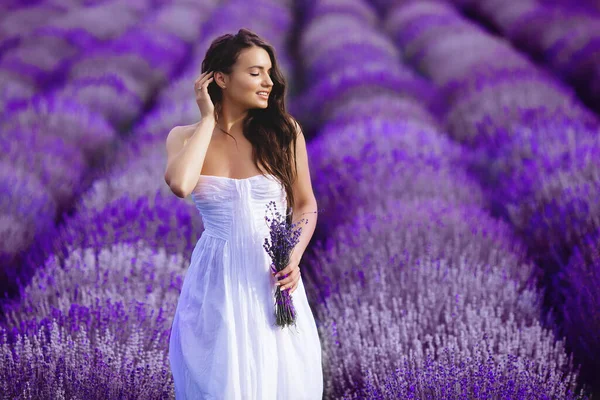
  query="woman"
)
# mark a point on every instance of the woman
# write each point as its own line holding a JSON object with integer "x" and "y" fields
{"x": 224, "y": 342}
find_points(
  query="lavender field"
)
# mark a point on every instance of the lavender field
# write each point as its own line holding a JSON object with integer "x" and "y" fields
{"x": 454, "y": 148}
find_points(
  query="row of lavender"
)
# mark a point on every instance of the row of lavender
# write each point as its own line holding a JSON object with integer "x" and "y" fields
{"x": 71, "y": 87}
{"x": 74, "y": 78}
{"x": 537, "y": 149}
{"x": 423, "y": 294}
{"x": 95, "y": 318}
{"x": 564, "y": 35}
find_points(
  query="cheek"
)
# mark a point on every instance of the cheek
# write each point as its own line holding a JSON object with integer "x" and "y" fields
{"x": 250, "y": 86}
{"x": 246, "y": 88}
{"x": 246, "y": 84}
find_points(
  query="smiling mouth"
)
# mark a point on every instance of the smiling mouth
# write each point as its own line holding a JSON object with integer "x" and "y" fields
{"x": 264, "y": 96}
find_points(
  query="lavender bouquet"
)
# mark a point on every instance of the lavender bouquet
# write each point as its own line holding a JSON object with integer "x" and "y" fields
{"x": 283, "y": 239}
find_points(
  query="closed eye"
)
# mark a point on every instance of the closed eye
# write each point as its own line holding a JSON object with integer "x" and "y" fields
{"x": 254, "y": 74}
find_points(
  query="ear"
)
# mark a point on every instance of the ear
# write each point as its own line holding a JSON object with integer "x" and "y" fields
{"x": 220, "y": 79}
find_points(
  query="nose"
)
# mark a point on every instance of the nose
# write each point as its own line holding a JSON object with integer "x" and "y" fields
{"x": 269, "y": 81}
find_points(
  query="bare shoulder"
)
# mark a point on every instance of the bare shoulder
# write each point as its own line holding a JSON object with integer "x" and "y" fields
{"x": 299, "y": 135}
{"x": 187, "y": 130}
{"x": 296, "y": 125}
{"x": 302, "y": 186}
{"x": 179, "y": 135}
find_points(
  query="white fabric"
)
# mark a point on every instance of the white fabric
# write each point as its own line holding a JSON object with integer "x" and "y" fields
{"x": 224, "y": 343}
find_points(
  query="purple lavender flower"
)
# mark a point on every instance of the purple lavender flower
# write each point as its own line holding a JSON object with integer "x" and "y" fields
{"x": 283, "y": 239}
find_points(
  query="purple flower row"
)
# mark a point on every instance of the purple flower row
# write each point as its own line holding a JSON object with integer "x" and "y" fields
{"x": 78, "y": 81}
{"x": 422, "y": 292}
{"x": 536, "y": 148}
{"x": 563, "y": 35}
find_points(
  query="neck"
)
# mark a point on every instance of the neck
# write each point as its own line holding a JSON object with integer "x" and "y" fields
{"x": 231, "y": 119}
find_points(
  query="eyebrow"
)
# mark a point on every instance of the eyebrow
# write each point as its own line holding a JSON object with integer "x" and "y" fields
{"x": 258, "y": 66}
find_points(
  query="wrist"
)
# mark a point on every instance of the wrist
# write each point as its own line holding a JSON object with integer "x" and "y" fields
{"x": 209, "y": 119}
{"x": 295, "y": 257}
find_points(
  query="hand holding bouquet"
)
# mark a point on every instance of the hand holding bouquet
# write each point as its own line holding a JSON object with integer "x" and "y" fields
{"x": 283, "y": 239}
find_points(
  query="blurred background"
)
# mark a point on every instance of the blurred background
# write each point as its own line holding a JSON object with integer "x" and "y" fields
{"x": 454, "y": 148}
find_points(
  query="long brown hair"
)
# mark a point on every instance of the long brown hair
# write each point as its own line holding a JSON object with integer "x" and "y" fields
{"x": 271, "y": 131}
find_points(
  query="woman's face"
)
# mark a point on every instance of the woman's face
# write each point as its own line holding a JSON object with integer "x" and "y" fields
{"x": 249, "y": 79}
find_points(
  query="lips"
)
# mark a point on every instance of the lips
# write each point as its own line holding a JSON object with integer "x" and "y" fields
{"x": 264, "y": 95}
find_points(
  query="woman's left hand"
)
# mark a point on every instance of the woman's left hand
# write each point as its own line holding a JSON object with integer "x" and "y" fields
{"x": 291, "y": 281}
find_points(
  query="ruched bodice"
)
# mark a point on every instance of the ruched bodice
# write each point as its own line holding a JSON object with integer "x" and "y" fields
{"x": 224, "y": 342}
{"x": 223, "y": 202}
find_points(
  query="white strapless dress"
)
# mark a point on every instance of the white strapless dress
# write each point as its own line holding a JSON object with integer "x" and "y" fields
{"x": 224, "y": 343}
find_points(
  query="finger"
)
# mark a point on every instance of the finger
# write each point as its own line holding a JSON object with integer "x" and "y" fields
{"x": 294, "y": 277}
{"x": 289, "y": 268}
{"x": 294, "y": 273}
{"x": 202, "y": 86}
{"x": 204, "y": 75}
{"x": 289, "y": 279}
{"x": 207, "y": 77}
{"x": 284, "y": 281}
{"x": 283, "y": 272}
{"x": 202, "y": 82}
{"x": 290, "y": 285}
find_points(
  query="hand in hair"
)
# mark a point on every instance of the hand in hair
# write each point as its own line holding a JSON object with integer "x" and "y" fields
{"x": 203, "y": 100}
